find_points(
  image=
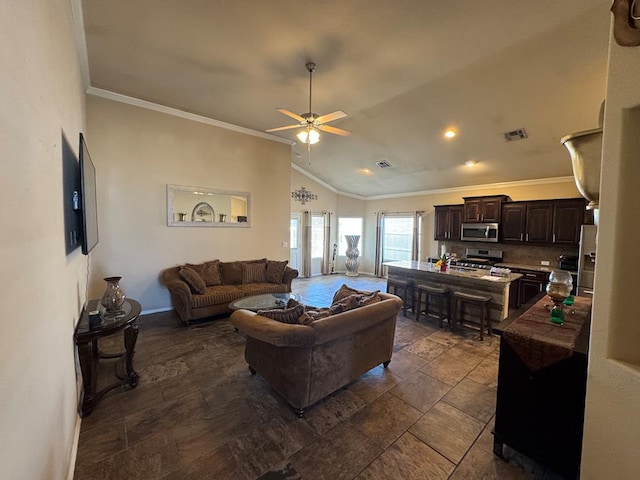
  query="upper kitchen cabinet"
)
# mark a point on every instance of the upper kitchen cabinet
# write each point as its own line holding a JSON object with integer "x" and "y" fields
{"x": 543, "y": 222}
{"x": 539, "y": 227}
{"x": 448, "y": 222}
{"x": 568, "y": 217}
{"x": 483, "y": 209}
{"x": 514, "y": 218}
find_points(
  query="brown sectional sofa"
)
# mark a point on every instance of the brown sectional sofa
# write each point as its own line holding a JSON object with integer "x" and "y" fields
{"x": 305, "y": 363}
{"x": 223, "y": 282}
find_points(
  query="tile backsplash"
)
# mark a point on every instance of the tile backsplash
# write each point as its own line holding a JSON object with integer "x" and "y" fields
{"x": 521, "y": 254}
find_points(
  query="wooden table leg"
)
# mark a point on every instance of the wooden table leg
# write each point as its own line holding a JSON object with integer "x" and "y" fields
{"x": 88, "y": 361}
{"x": 130, "y": 338}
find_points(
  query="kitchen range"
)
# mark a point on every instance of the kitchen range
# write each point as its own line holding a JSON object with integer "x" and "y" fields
{"x": 477, "y": 258}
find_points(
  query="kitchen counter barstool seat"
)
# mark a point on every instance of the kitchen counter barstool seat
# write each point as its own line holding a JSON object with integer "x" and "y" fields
{"x": 440, "y": 296}
{"x": 462, "y": 300}
{"x": 402, "y": 289}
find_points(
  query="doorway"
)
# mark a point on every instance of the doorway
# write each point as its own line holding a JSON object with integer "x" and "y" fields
{"x": 294, "y": 241}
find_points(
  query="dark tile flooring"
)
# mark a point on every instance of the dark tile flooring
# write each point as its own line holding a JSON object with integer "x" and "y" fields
{"x": 197, "y": 413}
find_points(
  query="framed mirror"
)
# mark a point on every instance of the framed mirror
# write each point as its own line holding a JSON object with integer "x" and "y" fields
{"x": 206, "y": 207}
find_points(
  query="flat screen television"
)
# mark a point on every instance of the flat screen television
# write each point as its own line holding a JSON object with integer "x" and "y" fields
{"x": 89, "y": 203}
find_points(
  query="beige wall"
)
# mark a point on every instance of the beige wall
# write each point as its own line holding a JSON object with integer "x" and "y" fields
{"x": 137, "y": 152}
{"x": 343, "y": 205}
{"x": 43, "y": 289}
{"x": 612, "y": 419}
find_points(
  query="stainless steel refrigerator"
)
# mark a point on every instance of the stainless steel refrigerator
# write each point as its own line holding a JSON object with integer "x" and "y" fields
{"x": 587, "y": 260}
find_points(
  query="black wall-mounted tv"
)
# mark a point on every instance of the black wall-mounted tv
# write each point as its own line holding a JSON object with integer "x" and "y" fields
{"x": 88, "y": 202}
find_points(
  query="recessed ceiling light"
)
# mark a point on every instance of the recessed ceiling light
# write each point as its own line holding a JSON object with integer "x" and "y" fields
{"x": 366, "y": 171}
{"x": 471, "y": 163}
{"x": 450, "y": 133}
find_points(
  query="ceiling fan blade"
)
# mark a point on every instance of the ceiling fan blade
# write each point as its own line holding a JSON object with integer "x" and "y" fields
{"x": 286, "y": 127}
{"x": 292, "y": 115}
{"x": 330, "y": 117}
{"x": 337, "y": 131}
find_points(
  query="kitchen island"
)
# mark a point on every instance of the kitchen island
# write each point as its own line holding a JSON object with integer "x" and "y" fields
{"x": 459, "y": 279}
{"x": 542, "y": 381}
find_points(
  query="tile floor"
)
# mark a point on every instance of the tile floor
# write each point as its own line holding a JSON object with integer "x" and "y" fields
{"x": 197, "y": 413}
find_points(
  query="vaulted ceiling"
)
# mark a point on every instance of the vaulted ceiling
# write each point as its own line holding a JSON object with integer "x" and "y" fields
{"x": 403, "y": 71}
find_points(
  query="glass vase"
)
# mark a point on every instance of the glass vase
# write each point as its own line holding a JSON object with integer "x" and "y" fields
{"x": 113, "y": 296}
{"x": 558, "y": 289}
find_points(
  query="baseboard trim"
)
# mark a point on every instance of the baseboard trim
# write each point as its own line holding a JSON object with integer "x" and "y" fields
{"x": 156, "y": 310}
{"x": 74, "y": 449}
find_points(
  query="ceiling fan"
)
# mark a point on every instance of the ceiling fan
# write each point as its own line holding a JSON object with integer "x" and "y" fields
{"x": 311, "y": 122}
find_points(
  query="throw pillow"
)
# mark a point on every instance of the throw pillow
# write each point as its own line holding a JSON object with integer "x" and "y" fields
{"x": 275, "y": 271}
{"x": 209, "y": 272}
{"x": 345, "y": 304}
{"x": 232, "y": 271}
{"x": 365, "y": 299}
{"x": 312, "y": 315}
{"x": 284, "y": 315}
{"x": 292, "y": 302}
{"x": 253, "y": 273}
{"x": 344, "y": 291}
{"x": 191, "y": 277}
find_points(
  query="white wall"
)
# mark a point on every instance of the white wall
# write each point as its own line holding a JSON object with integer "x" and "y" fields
{"x": 612, "y": 418}
{"x": 137, "y": 152}
{"x": 43, "y": 289}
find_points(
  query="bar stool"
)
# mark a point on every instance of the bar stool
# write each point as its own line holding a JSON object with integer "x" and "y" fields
{"x": 440, "y": 296}
{"x": 462, "y": 300}
{"x": 404, "y": 290}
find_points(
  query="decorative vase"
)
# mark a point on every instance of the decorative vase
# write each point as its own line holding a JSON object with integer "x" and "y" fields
{"x": 352, "y": 263}
{"x": 113, "y": 296}
{"x": 558, "y": 289}
{"x": 443, "y": 267}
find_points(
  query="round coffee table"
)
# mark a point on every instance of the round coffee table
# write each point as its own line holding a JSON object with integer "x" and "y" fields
{"x": 267, "y": 301}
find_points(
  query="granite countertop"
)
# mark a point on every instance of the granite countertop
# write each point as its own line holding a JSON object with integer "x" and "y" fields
{"x": 471, "y": 273}
{"x": 533, "y": 268}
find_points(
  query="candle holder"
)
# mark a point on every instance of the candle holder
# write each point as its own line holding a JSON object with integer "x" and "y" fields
{"x": 559, "y": 288}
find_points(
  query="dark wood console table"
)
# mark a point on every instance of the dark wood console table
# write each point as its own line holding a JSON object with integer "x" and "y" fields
{"x": 89, "y": 330}
{"x": 542, "y": 377}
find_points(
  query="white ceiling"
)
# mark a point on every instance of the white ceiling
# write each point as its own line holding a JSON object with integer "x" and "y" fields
{"x": 403, "y": 71}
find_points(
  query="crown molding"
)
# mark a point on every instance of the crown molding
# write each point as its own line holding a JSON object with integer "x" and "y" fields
{"x": 81, "y": 42}
{"x": 136, "y": 102}
{"x": 298, "y": 168}
{"x": 517, "y": 183}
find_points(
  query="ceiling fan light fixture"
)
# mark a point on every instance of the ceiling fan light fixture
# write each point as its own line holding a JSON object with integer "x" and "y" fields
{"x": 308, "y": 135}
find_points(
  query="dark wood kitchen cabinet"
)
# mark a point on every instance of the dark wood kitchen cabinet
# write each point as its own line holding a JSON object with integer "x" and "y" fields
{"x": 539, "y": 227}
{"x": 540, "y": 412}
{"x": 483, "y": 209}
{"x": 448, "y": 222}
{"x": 543, "y": 222}
{"x": 514, "y": 221}
{"x": 531, "y": 285}
{"x": 568, "y": 217}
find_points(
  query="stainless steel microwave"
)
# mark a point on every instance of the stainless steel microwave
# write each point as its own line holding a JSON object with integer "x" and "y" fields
{"x": 479, "y": 232}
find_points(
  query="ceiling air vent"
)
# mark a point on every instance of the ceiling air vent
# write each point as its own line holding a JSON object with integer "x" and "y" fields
{"x": 383, "y": 164}
{"x": 518, "y": 134}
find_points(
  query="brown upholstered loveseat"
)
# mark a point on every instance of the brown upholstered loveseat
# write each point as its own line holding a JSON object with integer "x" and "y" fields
{"x": 224, "y": 282}
{"x": 305, "y": 363}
